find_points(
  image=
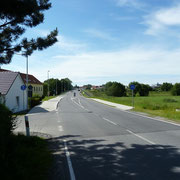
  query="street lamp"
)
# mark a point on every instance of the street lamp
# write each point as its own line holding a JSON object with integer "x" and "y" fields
{"x": 27, "y": 78}
{"x": 48, "y": 81}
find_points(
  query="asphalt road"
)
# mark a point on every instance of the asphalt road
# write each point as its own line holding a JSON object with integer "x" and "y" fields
{"x": 101, "y": 142}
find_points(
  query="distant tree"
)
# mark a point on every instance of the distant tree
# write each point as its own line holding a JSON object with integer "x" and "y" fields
{"x": 61, "y": 86}
{"x": 88, "y": 86}
{"x": 15, "y": 17}
{"x": 166, "y": 86}
{"x": 115, "y": 89}
{"x": 176, "y": 89}
{"x": 137, "y": 87}
{"x": 144, "y": 90}
{"x": 108, "y": 85}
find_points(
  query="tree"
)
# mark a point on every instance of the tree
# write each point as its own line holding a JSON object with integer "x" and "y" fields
{"x": 176, "y": 90}
{"x": 144, "y": 90}
{"x": 88, "y": 86}
{"x": 15, "y": 17}
{"x": 115, "y": 89}
{"x": 166, "y": 86}
{"x": 137, "y": 87}
{"x": 61, "y": 86}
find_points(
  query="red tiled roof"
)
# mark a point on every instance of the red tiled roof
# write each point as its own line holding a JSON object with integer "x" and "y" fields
{"x": 6, "y": 80}
{"x": 31, "y": 78}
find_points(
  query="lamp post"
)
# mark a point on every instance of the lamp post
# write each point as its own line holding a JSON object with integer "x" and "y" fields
{"x": 48, "y": 81}
{"x": 56, "y": 87}
{"x": 27, "y": 78}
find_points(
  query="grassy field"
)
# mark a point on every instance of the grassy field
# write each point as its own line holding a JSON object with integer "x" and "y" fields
{"x": 156, "y": 104}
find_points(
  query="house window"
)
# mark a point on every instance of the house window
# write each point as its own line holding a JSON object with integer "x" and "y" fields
{"x": 17, "y": 100}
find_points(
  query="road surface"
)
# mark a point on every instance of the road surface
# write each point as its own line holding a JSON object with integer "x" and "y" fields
{"x": 102, "y": 142}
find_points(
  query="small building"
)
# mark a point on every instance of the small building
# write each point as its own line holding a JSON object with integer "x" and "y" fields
{"x": 10, "y": 91}
{"x": 35, "y": 86}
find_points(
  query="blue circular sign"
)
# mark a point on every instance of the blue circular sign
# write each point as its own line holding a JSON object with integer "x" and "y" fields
{"x": 132, "y": 86}
{"x": 23, "y": 87}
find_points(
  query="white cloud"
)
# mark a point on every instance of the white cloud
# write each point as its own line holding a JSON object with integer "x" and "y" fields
{"x": 130, "y": 3}
{"x": 123, "y": 65}
{"x": 162, "y": 19}
{"x": 133, "y": 61}
{"x": 99, "y": 34}
{"x": 69, "y": 45}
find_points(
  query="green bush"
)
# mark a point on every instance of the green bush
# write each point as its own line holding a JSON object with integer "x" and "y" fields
{"x": 115, "y": 89}
{"x": 34, "y": 101}
{"x": 176, "y": 90}
{"x": 26, "y": 158}
{"x": 7, "y": 122}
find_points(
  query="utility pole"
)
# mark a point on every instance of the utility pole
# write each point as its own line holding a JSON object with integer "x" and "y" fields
{"x": 56, "y": 87}
{"x": 48, "y": 81}
{"x": 27, "y": 78}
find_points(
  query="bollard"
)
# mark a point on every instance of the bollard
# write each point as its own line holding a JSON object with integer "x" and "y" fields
{"x": 27, "y": 126}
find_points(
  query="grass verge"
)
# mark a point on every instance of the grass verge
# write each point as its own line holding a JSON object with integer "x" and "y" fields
{"x": 46, "y": 98}
{"x": 25, "y": 158}
{"x": 161, "y": 104}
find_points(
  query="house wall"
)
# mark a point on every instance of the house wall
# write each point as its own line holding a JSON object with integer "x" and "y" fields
{"x": 37, "y": 89}
{"x": 14, "y": 99}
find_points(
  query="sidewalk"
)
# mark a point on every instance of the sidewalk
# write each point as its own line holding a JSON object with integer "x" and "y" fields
{"x": 46, "y": 106}
{"x": 119, "y": 106}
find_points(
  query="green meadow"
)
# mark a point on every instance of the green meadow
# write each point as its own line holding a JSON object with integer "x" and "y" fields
{"x": 161, "y": 104}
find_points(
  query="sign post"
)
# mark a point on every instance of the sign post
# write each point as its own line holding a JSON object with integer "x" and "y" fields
{"x": 27, "y": 126}
{"x": 23, "y": 88}
{"x": 132, "y": 87}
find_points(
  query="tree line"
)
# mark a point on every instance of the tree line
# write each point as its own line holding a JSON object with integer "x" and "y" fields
{"x": 118, "y": 90}
{"x": 56, "y": 86}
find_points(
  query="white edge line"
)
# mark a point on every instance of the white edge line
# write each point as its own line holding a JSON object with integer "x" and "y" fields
{"x": 110, "y": 121}
{"x": 72, "y": 176}
{"x": 152, "y": 118}
{"x": 175, "y": 124}
{"x": 140, "y": 137}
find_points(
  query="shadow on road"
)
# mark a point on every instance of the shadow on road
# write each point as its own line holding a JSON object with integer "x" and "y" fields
{"x": 98, "y": 159}
{"x": 37, "y": 110}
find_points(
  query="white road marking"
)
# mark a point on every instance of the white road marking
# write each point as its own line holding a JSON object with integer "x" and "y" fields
{"x": 60, "y": 128}
{"x": 79, "y": 104}
{"x": 140, "y": 137}
{"x": 58, "y": 121}
{"x": 72, "y": 176}
{"x": 110, "y": 121}
{"x": 152, "y": 118}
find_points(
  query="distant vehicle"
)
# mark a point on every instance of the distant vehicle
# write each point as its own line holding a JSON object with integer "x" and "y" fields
{"x": 78, "y": 89}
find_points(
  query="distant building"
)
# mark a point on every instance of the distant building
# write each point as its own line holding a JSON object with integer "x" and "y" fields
{"x": 156, "y": 86}
{"x": 35, "y": 86}
{"x": 10, "y": 91}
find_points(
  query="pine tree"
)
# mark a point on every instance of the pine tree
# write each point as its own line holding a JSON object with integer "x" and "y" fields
{"x": 15, "y": 17}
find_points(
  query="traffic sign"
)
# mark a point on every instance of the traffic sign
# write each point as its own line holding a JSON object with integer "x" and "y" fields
{"x": 132, "y": 86}
{"x": 23, "y": 87}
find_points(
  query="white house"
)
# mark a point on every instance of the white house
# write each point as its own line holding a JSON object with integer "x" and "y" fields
{"x": 11, "y": 94}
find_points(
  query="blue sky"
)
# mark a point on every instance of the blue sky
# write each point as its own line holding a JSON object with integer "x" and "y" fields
{"x": 108, "y": 40}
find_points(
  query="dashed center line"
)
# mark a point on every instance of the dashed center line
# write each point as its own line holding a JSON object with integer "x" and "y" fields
{"x": 110, "y": 121}
{"x": 151, "y": 142}
{"x": 140, "y": 137}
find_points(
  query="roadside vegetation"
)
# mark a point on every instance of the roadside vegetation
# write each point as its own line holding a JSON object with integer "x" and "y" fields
{"x": 21, "y": 157}
{"x": 162, "y": 101}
